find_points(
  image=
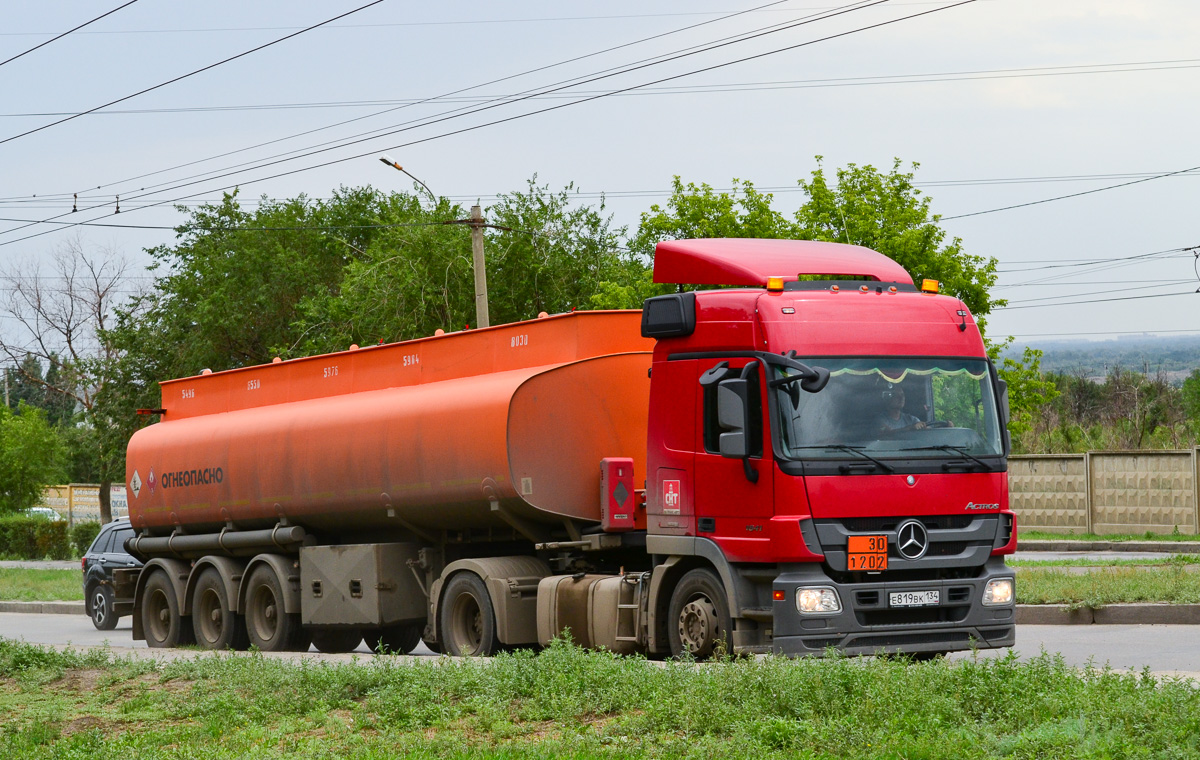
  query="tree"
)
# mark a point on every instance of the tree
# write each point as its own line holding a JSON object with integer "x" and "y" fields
{"x": 63, "y": 316}
{"x": 1191, "y": 395}
{"x": 1028, "y": 389}
{"x": 884, "y": 212}
{"x": 31, "y": 457}
{"x": 887, "y": 213}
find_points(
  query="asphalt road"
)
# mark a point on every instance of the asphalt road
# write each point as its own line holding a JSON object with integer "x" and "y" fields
{"x": 1165, "y": 649}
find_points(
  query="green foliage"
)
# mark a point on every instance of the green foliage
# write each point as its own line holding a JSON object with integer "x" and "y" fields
{"x": 83, "y": 534}
{"x": 887, "y": 213}
{"x": 24, "y": 537}
{"x": 1190, "y": 395}
{"x": 569, "y": 703}
{"x": 1028, "y": 389}
{"x": 31, "y": 457}
{"x": 1119, "y": 585}
{"x": 864, "y": 207}
{"x": 1128, "y": 410}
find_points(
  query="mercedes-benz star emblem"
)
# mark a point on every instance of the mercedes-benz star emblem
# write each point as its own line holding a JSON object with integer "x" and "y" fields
{"x": 912, "y": 540}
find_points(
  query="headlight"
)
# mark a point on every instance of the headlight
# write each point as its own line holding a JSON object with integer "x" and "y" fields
{"x": 998, "y": 591}
{"x": 817, "y": 600}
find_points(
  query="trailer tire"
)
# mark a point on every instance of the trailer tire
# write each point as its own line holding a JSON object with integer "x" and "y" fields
{"x": 215, "y": 625}
{"x": 468, "y": 621}
{"x": 394, "y": 639}
{"x": 162, "y": 623}
{"x": 269, "y": 627}
{"x": 336, "y": 640}
{"x": 698, "y": 619}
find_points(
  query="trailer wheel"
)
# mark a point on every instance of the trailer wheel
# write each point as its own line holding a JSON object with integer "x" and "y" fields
{"x": 395, "y": 639}
{"x": 214, "y": 624}
{"x": 698, "y": 619}
{"x": 269, "y": 627}
{"x": 468, "y": 626}
{"x": 163, "y": 625}
{"x": 100, "y": 607}
{"x": 336, "y": 640}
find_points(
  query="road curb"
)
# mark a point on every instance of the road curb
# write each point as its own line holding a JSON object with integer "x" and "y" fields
{"x": 1160, "y": 547}
{"x": 52, "y": 608}
{"x": 1113, "y": 614}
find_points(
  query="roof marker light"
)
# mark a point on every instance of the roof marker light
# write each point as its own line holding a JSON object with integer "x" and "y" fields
{"x": 892, "y": 289}
{"x": 864, "y": 288}
{"x": 775, "y": 284}
{"x": 834, "y": 288}
{"x": 929, "y": 286}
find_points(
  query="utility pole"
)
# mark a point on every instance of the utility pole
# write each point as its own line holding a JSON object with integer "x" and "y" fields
{"x": 481, "y": 299}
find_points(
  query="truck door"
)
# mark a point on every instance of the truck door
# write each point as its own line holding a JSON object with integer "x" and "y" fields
{"x": 738, "y": 507}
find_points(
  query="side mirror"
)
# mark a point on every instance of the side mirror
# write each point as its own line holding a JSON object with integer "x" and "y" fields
{"x": 817, "y": 381}
{"x": 733, "y": 404}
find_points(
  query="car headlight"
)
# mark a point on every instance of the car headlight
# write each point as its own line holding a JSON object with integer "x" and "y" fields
{"x": 998, "y": 591}
{"x": 817, "y": 600}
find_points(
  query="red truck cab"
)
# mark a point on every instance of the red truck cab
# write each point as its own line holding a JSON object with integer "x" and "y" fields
{"x": 832, "y": 439}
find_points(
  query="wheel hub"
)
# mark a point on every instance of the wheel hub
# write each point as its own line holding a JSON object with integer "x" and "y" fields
{"x": 698, "y": 626}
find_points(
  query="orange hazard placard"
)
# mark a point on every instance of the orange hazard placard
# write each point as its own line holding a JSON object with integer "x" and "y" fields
{"x": 867, "y": 553}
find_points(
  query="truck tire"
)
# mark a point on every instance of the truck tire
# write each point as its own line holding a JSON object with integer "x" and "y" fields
{"x": 215, "y": 625}
{"x": 336, "y": 640}
{"x": 698, "y": 618}
{"x": 164, "y": 627}
{"x": 468, "y": 623}
{"x": 269, "y": 627}
{"x": 395, "y": 639}
{"x": 100, "y": 607}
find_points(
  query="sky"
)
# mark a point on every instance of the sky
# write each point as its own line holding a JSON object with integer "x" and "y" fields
{"x": 1001, "y": 103}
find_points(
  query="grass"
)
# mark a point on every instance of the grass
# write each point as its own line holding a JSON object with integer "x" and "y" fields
{"x": 1175, "y": 560}
{"x": 566, "y": 702}
{"x": 1037, "y": 535}
{"x": 26, "y": 585}
{"x": 1109, "y": 586}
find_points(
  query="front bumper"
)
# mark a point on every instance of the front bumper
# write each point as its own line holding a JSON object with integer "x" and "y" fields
{"x": 867, "y": 625}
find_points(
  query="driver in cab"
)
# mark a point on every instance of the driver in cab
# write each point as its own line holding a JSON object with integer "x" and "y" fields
{"x": 894, "y": 418}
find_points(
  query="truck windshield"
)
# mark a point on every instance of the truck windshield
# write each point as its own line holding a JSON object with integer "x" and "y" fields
{"x": 892, "y": 408}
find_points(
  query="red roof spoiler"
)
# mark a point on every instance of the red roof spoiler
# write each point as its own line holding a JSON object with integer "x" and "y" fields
{"x": 748, "y": 261}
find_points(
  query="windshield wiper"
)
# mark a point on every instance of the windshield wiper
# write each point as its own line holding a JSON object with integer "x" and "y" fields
{"x": 853, "y": 450}
{"x": 947, "y": 447}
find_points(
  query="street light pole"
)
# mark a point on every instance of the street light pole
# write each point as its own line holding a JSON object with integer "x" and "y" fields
{"x": 390, "y": 162}
{"x": 481, "y": 299}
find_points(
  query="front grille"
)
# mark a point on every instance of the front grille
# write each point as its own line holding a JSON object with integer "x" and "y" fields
{"x": 958, "y": 594}
{"x": 933, "y": 522}
{"x": 922, "y": 574}
{"x": 916, "y": 616}
{"x": 866, "y": 598}
{"x": 943, "y": 549}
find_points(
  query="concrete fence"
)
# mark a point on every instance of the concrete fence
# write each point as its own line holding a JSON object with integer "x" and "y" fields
{"x": 80, "y": 502}
{"x": 1106, "y": 492}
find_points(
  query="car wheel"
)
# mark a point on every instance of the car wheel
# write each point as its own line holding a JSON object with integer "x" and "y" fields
{"x": 468, "y": 624}
{"x": 100, "y": 607}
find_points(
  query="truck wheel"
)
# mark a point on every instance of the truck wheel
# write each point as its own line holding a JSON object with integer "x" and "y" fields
{"x": 698, "y": 619}
{"x": 163, "y": 625}
{"x": 336, "y": 640}
{"x": 269, "y": 627}
{"x": 100, "y": 604}
{"x": 395, "y": 639}
{"x": 468, "y": 626}
{"x": 214, "y": 624}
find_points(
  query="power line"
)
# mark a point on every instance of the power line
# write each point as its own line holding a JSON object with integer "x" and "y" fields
{"x": 1091, "y": 262}
{"x": 64, "y": 34}
{"x": 1071, "y": 195}
{"x": 661, "y": 59}
{"x": 455, "y": 22}
{"x": 1148, "y": 333}
{"x": 1099, "y": 300}
{"x": 189, "y": 74}
{"x": 934, "y": 77}
{"x": 1100, "y": 292}
{"x": 433, "y": 98}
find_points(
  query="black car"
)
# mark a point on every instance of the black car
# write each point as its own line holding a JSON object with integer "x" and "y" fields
{"x": 106, "y": 554}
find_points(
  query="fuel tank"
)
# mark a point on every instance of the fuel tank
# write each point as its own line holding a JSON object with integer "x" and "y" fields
{"x": 440, "y": 433}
